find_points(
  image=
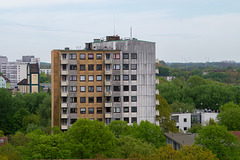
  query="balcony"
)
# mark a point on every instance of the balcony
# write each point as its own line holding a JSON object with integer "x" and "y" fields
{"x": 108, "y": 93}
{"x": 64, "y": 116}
{"x": 108, "y": 61}
{"x": 157, "y": 81}
{"x": 107, "y": 83}
{"x": 64, "y": 105}
{"x": 64, "y": 61}
{"x": 157, "y": 102}
{"x": 64, "y": 94}
{"x": 157, "y": 71}
{"x": 108, "y": 115}
{"x": 108, "y": 71}
{"x": 157, "y": 112}
{"x": 63, "y": 126}
{"x": 157, "y": 92}
{"x": 64, "y": 72}
{"x": 108, "y": 104}
{"x": 64, "y": 83}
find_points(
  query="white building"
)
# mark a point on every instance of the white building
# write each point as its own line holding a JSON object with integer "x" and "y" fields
{"x": 45, "y": 71}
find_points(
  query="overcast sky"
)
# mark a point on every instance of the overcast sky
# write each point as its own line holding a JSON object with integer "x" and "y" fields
{"x": 184, "y": 30}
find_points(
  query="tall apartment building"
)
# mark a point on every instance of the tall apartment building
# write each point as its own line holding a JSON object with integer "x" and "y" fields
{"x": 111, "y": 79}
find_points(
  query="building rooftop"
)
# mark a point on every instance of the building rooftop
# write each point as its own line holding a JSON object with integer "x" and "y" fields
{"x": 182, "y": 138}
{"x": 34, "y": 68}
{"x": 6, "y": 79}
{"x": 23, "y": 82}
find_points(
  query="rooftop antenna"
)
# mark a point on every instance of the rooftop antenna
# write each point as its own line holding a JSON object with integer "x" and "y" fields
{"x": 131, "y": 32}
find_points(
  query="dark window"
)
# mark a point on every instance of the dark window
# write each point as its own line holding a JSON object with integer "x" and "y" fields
{"x": 134, "y": 77}
{"x": 133, "y": 55}
{"x": 82, "y": 56}
{"x": 73, "y": 88}
{"x": 107, "y": 99}
{"x": 99, "y": 67}
{"x": 64, "y": 78}
{"x": 116, "y": 88}
{"x": 90, "y": 56}
{"x": 126, "y": 119}
{"x": 108, "y": 78}
{"x": 134, "y": 88}
{"x": 116, "y": 110}
{"x": 99, "y": 99}
{"x": 82, "y": 99}
{"x": 133, "y": 109}
{"x": 99, "y": 110}
{"x": 116, "y": 55}
{"x": 125, "y": 66}
{"x": 108, "y": 66}
{"x": 116, "y": 78}
{"x": 82, "y": 67}
{"x": 185, "y": 128}
{"x": 90, "y": 88}
{"x": 64, "y": 67}
{"x": 125, "y": 88}
{"x": 125, "y": 77}
{"x": 125, "y": 56}
{"x": 108, "y": 88}
{"x": 133, "y": 66}
{"x": 99, "y": 119}
{"x": 64, "y": 99}
{"x": 73, "y": 67}
{"x": 64, "y": 56}
{"x": 116, "y": 99}
{"x": 83, "y": 110}
{"x": 73, "y": 78}
{"x": 116, "y": 66}
{"x": 125, "y": 98}
{"x": 133, "y": 98}
{"x": 90, "y": 67}
{"x": 134, "y": 119}
{"x": 185, "y": 119}
{"x": 73, "y": 56}
{"x": 73, "y": 121}
{"x": 73, "y": 110}
{"x": 99, "y": 56}
{"x": 107, "y": 56}
{"x": 90, "y": 110}
{"x": 73, "y": 99}
{"x": 90, "y": 99}
{"x": 126, "y": 109}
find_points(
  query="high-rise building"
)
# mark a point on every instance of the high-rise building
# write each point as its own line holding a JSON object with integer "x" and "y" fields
{"x": 112, "y": 79}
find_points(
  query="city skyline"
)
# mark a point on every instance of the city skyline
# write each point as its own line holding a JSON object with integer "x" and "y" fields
{"x": 184, "y": 31}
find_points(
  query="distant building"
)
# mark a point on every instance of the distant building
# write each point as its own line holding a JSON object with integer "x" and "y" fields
{"x": 46, "y": 71}
{"x": 184, "y": 121}
{"x": 31, "y": 83}
{"x": 4, "y": 82}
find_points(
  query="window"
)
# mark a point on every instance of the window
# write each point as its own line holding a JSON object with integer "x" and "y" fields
{"x": 64, "y": 99}
{"x": 64, "y": 121}
{"x": 134, "y": 77}
{"x": 64, "y": 78}
{"x": 107, "y": 99}
{"x": 91, "y": 119}
{"x": 185, "y": 128}
{"x": 133, "y": 109}
{"x": 64, "y": 111}
{"x": 134, "y": 88}
{"x": 125, "y": 88}
{"x": 73, "y": 78}
{"x": 82, "y": 78}
{"x": 90, "y": 67}
{"x": 90, "y": 99}
{"x": 99, "y": 99}
{"x": 99, "y": 67}
{"x": 185, "y": 120}
{"x": 116, "y": 66}
{"x": 134, "y": 119}
{"x": 116, "y": 88}
{"x": 90, "y": 88}
{"x": 82, "y": 67}
{"x": 108, "y": 88}
{"x": 99, "y": 56}
{"x": 107, "y": 56}
{"x": 90, "y": 110}
{"x": 73, "y": 56}
{"x": 99, "y": 110}
{"x": 133, "y": 98}
{"x": 82, "y": 56}
{"x": 90, "y": 56}
{"x": 125, "y": 77}
{"x": 64, "y": 89}
{"x": 73, "y": 67}
{"x": 99, "y": 119}
{"x": 116, "y": 110}
{"x": 116, "y": 99}
{"x": 125, "y": 98}
{"x": 99, "y": 78}
{"x": 116, "y": 55}
{"x": 73, "y": 99}
{"x": 116, "y": 78}
{"x": 82, "y": 89}
{"x": 73, "y": 110}
{"x": 125, "y": 56}
{"x": 108, "y": 66}
{"x": 108, "y": 78}
{"x": 133, "y": 66}
{"x": 99, "y": 88}
{"x": 73, "y": 121}
{"x": 64, "y": 67}
{"x": 125, "y": 66}
{"x": 73, "y": 88}
{"x": 83, "y": 110}
{"x": 64, "y": 56}
{"x": 126, "y": 119}
{"x": 175, "y": 118}
{"x": 90, "y": 78}
{"x": 82, "y": 99}
{"x": 133, "y": 55}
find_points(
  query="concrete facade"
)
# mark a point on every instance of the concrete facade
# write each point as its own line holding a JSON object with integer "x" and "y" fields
{"x": 46, "y": 71}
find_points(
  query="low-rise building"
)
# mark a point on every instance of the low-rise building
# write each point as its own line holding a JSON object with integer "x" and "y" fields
{"x": 4, "y": 82}
{"x": 45, "y": 71}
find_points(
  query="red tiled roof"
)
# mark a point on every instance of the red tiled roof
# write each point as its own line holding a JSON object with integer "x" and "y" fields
{"x": 7, "y": 80}
{"x": 236, "y": 133}
{"x": 22, "y": 82}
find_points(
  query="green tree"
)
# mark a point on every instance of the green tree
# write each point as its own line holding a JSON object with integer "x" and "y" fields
{"x": 164, "y": 116}
{"x": 195, "y": 128}
{"x": 163, "y": 71}
{"x": 228, "y": 106}
{"x": 177, "y": 106}
{"x": 196, "y": 81}
{"x": 221, "y": 142}
{"x": 44, "y": 78}
{"x": 120, "y": 128}
{"x": 44, "y": 111}
{"x": 197, "y": 72}
{"x": 169, "y": 91}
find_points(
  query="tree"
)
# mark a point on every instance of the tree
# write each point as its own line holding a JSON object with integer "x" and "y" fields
{"x": 164, "y": 116}
{"x": 221, "y": 142}
{"x": 196, "y": 81}
{"x": 163, "y": 71}
{"x": 228, "y": 106}
{"x": 119, "y": 128}
{"x": 44, "y": 111}
{"x": 195, "y": 128}
{"x": 169, "y": 91}
{"x": 197, "y": 72}
{"x": 177, "y": 106}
